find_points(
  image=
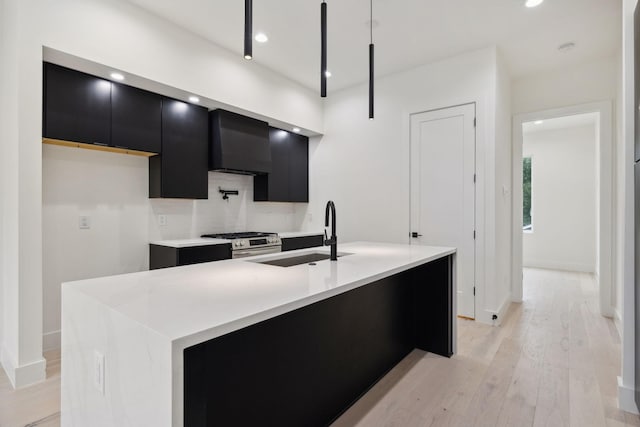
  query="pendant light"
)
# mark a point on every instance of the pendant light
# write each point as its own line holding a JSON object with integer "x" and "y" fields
{"x": 371, "y": 60}
{"x": 248, "y": 29}
{"x": 323, "y": 49}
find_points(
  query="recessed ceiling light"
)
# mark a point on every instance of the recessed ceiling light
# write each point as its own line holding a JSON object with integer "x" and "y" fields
{"x": 261, "y": 38}
{"x": 296, "y": 130}
{"x": 327, "y": 73}
{"x": 533, "y": 3}
{"x": 194, "y": 99}
{"x": 566, "y": 47}
{"x": 538, "y": 122}
{"x": 117, "y": 76}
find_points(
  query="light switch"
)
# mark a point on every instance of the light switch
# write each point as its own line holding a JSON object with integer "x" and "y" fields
{"x": 98, "y": 371}
{"x": 84, "y": 222}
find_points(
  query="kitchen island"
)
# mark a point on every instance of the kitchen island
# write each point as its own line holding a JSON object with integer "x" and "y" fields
{"x": 239, "y": 340}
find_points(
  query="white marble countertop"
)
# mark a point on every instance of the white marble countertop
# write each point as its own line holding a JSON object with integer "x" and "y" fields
{"x": 185, "y": 243}
{"x": 194, "y": 303}
{"x": 292, "y": 234}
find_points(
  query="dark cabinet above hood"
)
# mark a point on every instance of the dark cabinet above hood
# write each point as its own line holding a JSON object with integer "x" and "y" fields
{"x": 238, "y": 144}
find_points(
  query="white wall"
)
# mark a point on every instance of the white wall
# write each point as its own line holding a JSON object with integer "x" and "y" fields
{"x": 626, "y": 382}
{"x": 117, "y": 34}
{"x": 581, "y": 84}
{"x": 363, "y": 165}
{"x": 503, "y": 192}
{"x": 563, "y": 199}
{"x": 112, "y": 190}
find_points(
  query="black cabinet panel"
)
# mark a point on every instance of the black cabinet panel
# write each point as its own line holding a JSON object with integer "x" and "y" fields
{"x": 77, "y": 106}
{"x": 136, "y": 119}
{"x": 299, "y": 168}
{"x": 238, "y": 143}
{"x": 181, "y": 170}
{"x": 164, "y": 256}
{"x": 320, "y": 358}
{"x": 289, "y": 177}
{"x": 293, "y": 243}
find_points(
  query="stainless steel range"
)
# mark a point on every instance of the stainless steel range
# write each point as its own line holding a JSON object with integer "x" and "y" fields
{"x": 250, "y": 243}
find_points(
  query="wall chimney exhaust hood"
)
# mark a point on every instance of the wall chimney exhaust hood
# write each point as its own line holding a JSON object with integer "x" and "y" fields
{"x": 238, "y": 144}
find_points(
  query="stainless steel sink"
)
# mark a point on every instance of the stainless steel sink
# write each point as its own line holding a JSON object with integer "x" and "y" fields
{"x": 298, "y": 260}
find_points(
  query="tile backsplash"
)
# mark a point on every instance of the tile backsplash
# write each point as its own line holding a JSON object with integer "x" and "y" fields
{"x": 192, "y": 218}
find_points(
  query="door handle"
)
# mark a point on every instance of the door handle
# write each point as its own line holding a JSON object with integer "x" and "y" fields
{"x": 415, "y": 234}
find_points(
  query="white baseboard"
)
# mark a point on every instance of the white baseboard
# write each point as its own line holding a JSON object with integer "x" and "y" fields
{"x": 626, "y": 398}
{"x": 51, "y": 341}
{"x": 22, "y": 376}
{"x": 487, "y": 316}
{"x": 555, "y": 265}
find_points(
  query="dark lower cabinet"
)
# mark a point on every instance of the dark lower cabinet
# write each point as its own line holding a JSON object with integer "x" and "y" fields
{"x": 288, "y": 180}
{"x": 181, "y": 171}
{"x": 306, "y": 367}
{"x": 303, "y": 242}
{"x": 165, "y": 256}
{"x": 76, "y": 106}
{"x": 136, "y": 119}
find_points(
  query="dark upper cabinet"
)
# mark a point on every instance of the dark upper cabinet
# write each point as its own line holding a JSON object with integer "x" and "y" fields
{"x": 289, "y": 177}
{"x": 135, "y": 119}
{"x": 298, "y": 168}
{"x": 181, "y": 171}
{"x": 77, "y": 106}
{"x": 86, "y": 109}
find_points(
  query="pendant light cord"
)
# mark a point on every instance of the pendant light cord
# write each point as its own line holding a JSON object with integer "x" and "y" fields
{"x": 371, "y": 21}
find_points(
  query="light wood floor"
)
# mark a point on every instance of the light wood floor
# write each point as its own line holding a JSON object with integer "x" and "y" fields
{"x": 553, "y": 362}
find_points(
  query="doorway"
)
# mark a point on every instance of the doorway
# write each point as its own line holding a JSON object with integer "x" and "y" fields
{"x": 600, "y": 115}
{"x": 443, "y": 196}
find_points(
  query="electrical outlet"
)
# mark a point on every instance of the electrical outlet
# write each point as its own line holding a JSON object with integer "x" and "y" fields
{"x": 84, "y": 222}
{"x": 162, "y": 220}
{"x": 98, "y": 371}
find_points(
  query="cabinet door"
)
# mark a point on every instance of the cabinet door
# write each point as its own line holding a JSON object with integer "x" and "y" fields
{"x": 298, "y": 168}
{"x": 289, "y": 177}
{"x": 135, "y": 119}
{"x": 77, "y": 106}
{"x": 182, "y": 167}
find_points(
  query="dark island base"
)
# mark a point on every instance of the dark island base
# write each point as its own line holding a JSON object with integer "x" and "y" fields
{"x": 306, "y": 367}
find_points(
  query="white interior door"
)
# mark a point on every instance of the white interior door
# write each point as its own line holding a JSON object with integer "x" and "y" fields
{"x": 443, "y": 190}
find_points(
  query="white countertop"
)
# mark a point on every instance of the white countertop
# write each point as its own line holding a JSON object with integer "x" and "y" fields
{"x": 194, "y": 303}
{"x": 185, "y": 243}
{"x": 292, "y": 234}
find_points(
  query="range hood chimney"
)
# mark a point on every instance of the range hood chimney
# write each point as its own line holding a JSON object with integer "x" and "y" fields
{"x": 238, "y": 144}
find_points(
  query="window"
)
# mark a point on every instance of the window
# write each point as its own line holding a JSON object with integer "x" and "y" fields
{"x": 526, "y": 194}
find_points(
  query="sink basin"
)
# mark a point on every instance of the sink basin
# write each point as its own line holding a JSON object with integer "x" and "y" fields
{"x": 298, "y": 260}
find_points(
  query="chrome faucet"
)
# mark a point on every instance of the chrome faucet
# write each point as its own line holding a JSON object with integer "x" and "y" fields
{"x": 333, "y": 241}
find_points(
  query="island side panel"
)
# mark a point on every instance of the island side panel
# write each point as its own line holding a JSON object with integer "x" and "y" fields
{"x": 137, "y": 368}
{"x": 433, "y": 289}
{"x": 304, "y": 367}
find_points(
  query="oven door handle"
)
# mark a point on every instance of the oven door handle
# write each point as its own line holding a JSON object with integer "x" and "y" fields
{"x": 251, "y": 252}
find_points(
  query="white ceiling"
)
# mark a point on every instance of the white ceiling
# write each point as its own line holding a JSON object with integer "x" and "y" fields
{"x": 411, "y": 32}
{"x": 564, "y": 122}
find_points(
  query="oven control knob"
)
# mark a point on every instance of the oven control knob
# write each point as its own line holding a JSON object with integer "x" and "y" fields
{"x": 242, "y": 243}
